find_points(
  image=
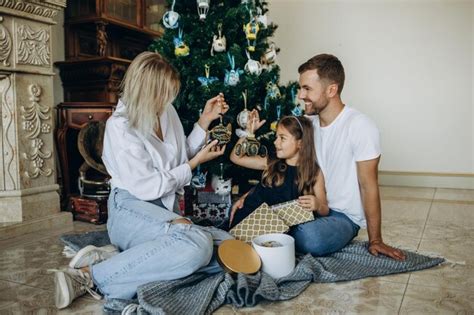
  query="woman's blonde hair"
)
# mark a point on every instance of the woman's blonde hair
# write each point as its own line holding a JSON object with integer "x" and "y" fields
{"x": 149, "y": 85}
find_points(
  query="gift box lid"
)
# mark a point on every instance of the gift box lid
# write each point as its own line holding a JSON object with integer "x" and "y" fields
{"x": 238, "y": 257}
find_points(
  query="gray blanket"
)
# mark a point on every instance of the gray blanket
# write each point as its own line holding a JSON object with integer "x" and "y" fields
{"x": 203, "y": 294}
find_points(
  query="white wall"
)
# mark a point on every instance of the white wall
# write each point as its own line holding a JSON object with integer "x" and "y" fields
{"x": 409, "y": 66}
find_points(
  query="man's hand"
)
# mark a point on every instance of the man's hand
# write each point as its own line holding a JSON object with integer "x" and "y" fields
{"x": 367, "y": 173}
{"x": 379, "y": 247}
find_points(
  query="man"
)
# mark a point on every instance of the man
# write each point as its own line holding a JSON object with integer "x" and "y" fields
{"x": 347, "y": 150}
{"x": 348, "y": 153}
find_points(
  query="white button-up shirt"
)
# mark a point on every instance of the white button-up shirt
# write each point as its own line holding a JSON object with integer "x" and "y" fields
{"x": 145, "y": 166}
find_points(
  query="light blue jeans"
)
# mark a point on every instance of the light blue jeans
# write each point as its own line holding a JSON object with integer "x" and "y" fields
{"x": 151, "y": 247}
{"x": 325, "y": 235}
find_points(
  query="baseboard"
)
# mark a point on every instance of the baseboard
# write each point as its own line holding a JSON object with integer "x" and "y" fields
{"x": 426, "y": 179}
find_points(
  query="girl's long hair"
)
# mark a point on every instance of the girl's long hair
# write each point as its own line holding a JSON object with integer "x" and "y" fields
{"x": 307, "y": 167}
{"x": 150, "y": 84}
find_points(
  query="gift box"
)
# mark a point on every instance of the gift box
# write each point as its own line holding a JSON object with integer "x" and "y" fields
{"x": 210, "y": 205}
{"x": 206, "y": 204}
{"x": 89, "y": 210}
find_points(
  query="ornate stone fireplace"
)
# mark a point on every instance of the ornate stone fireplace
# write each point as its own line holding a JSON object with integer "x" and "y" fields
{"x": 29, "y": 199}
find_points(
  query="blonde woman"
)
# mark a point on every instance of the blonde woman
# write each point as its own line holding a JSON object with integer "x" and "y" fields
{"x": 150, "y": 160}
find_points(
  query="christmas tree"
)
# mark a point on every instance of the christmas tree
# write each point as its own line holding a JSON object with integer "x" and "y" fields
{"x": 223, "y": 46}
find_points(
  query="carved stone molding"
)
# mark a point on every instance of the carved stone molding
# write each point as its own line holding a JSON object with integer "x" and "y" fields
{"x": 43, "y": 9}
{"x": 8, "y": 132}
{"x": 35, "y": 122}
{"x": 5, "y": 44}
{"x": 33, "y": 46}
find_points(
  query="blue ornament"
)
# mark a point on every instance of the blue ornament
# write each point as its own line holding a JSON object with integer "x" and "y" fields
{"x": 170, "y": 18}
{"x": 205, "y": 81}
{"x": 296, "y": 111}
{"x": 199, "y": 179}
{"x": 273, "y": 92}
{"x": 180, "y": 47}
{"x": 232, "y": 77}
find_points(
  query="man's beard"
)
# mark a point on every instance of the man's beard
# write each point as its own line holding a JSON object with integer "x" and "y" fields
{"x": 315, "y": 109}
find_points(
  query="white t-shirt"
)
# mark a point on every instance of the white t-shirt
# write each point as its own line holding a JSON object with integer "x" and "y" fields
{"x": 145, "y": 166}
{"x": 350, "y": 138}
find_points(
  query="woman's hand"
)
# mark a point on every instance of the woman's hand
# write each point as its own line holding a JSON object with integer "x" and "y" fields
{"x": 209, "y": 152}
{"x": 309, "y": 202}
{"x": 254, "y": 122}
{"x": 214, "y": 108}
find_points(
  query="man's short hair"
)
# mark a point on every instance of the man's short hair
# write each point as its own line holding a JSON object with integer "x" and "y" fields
{"x": 328, "y": 67}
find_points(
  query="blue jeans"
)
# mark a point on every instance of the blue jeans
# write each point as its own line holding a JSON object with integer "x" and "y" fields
{"x": 325, "y": 235}
{"x": 151, "y": 247}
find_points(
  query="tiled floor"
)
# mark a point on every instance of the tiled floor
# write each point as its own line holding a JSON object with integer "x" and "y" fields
{"x": 427, "y": 220}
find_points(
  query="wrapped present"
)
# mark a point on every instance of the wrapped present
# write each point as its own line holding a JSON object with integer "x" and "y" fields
{"x": 275, "y": 219}
{"x": 292, "y": 213}
{"x": 261, "y": 221}
{"x": 210, "y": 205}
{"x": 89, "y": 210}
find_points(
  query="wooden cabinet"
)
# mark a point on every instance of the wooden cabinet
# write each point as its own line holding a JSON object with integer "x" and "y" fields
{"x": 72, "y": 117}
{"x": 101, "y": 38}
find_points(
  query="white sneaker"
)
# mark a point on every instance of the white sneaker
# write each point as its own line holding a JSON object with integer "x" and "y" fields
{"x": 70, "y": 284}
{"x": 91, "y": 255}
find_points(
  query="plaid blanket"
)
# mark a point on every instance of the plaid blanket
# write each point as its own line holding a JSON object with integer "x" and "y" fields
{"x": 203, "y": 294}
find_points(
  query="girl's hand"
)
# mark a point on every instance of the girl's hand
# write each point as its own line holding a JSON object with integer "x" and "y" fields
{"x": 254, "y": 122}
{"x": 309, "y": 202}
{"x": 214, "y": 108}
{"x": 209, "y": 152}
{"x": 236, "y": 206}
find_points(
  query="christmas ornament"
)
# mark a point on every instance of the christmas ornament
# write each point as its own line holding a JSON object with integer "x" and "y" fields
{"x": 251, "y": 147}
{"x": 203, "y": 8}
{"x": 221, "y": 133}
{"x": 262, "y": 19}
{"x": 251, "y": 30}
{"x": 273, "y": 92}
{"x": 171, "y": 18}
{"x": 243, "y": 116}
{"x": 180, "y": 47}
{"x": 218, "y": 42}
{"x": 273, "y": 125}
{"x": 252, "y": 66}
{"x": 269, "y": 57}
{"x": 205, "y": 81}
{"x": 297, "y": 110}
{"x": 220, "y": 185}
{"x": 199, "y": 179}
{"x": 232, "y": 77}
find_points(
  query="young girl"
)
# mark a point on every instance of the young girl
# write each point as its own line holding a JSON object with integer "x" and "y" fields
{"x": 293, "y": 174}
